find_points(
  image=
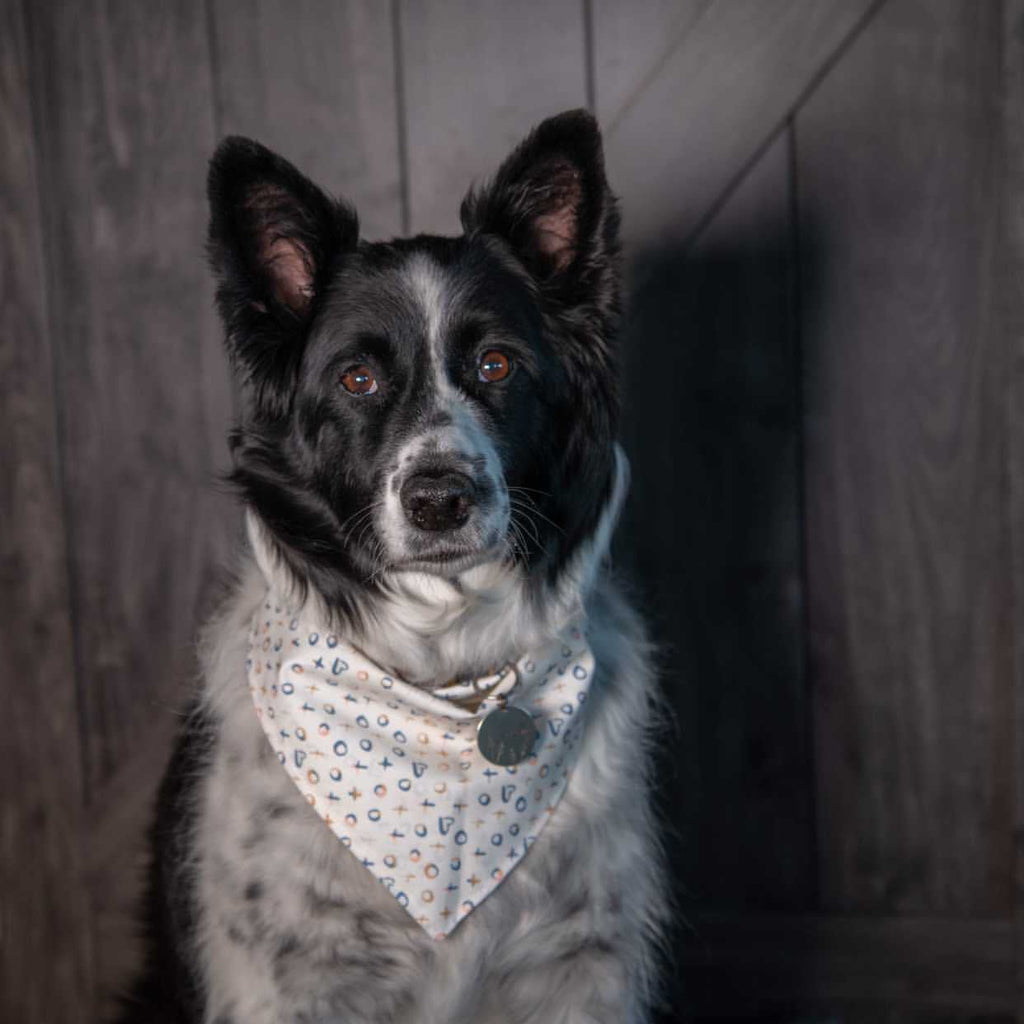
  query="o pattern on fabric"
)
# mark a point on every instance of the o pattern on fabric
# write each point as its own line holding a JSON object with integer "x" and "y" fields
{"x": 394, "y": 770}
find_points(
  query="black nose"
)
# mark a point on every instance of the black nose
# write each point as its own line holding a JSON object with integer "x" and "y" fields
{"x": 437, "y": 501}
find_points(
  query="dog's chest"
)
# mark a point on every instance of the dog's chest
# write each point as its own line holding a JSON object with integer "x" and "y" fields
{"x": 293, "y": 927}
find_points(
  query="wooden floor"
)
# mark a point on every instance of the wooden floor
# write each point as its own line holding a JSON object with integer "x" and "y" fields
{"x": 824, "y": 209}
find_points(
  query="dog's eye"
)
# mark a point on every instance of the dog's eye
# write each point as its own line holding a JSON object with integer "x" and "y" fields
{"x": 494, "y": 366}
{"x": 359, "y": 380}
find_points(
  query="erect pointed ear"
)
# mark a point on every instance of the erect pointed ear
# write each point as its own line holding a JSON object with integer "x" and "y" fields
{"x": 272, "y": 241}
{"x": 551, "y": 203}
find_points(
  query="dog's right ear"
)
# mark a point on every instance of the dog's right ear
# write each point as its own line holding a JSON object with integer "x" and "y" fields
{"x": 273, "y": 240}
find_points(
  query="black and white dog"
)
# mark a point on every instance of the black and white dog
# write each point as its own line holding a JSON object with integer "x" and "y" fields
{"x": 428, "y": 461}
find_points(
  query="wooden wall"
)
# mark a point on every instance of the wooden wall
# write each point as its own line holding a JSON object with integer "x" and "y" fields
{"x": 824, "y": 210}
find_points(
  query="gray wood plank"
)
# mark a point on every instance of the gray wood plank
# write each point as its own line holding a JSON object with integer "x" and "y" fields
{"x": 1010, "y": 285}
{"x": 125, "y": 95}
{"x": 729, "y": 84}
{"x": 316, "y": 82}
{"x": 125, "y": 100}
{"x": 478, "y": 75}
{"x": 43, "y": 912}
{"x": 712, "y": 535}
{"x": 909, "y": 561}
{"x": 857, "y": 970}
{"x": 632, "y": 43}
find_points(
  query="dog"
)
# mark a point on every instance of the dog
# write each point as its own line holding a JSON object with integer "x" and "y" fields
{"x": 414, "y": 786}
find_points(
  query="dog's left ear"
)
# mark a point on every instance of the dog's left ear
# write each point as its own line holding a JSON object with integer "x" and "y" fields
{"x": 551, "y": 203}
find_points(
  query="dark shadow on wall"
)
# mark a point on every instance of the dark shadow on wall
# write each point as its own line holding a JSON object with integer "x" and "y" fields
{"x": 712, "y": 540}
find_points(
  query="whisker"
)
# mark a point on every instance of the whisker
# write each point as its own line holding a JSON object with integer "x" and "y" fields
{"x": 522, "y": 519}
{"x": 532, "y": 508}
{"x": 517, "y": 540}
{"x": 378, "y": 562}
{"x": 350, "y": 524}
{"x": 532, "y": 490}
{"x": 362, "y": 533}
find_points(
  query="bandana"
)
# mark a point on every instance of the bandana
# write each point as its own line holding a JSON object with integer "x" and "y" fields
{"x": 395, "y": 771}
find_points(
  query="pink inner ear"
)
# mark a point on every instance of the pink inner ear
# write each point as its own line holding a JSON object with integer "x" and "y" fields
{"x": 557, "y": 227}
{"x": 290, "y": 271}
{"x": 286, "y": 261}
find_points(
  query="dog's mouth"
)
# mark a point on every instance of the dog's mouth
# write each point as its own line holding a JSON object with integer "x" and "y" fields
{"x": 447, "y": 561}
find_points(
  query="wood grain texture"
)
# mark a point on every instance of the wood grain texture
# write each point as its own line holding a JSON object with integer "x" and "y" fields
{"x": 316, "y": 82}
{"x": 731, "y": 80}
{"x": 890, "y": 789}
{"x": 126, "y": 95}
{"x": 854, "y": 970}
{"x": 478, "y": 75}
{"x": 909, "y": 568}
{"x": 44, "y": 916}
{"x": 632, "y": 43}
{"x": 1010, "y": 284}
{"x": 712, "y": 535}
{"x": 126, "y": 122}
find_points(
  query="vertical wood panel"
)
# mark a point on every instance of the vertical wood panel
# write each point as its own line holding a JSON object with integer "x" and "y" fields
{"x": 142, "y": 382}
{"x": 843, "y": 969}
{"x": 907, "y": 532}
{"x": 713, "y": 529}
{"x": 43, "y": 913}
{"x": 479, "y": 74}
{"x": 125, "y": 97}
{"x": 1011, "y": 294}
{"x": 912, "y": 320}
{"x": 316, "y": 82}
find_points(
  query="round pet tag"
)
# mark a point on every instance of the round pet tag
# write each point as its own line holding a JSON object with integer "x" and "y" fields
{"x": 506, "y": 736}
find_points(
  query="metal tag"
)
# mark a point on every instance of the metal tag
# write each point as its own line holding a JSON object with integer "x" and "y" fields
{"x": 506, "y": 736}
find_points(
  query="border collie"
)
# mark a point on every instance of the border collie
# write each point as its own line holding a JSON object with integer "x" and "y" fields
{"x": 413, "y": 787}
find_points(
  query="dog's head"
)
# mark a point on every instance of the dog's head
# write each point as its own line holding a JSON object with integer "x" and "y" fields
{"x": 427, "y": 405}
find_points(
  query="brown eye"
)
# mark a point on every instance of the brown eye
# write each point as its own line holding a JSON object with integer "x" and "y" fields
{"x": 359, "y": 380}
{"x": 494, "y": 366}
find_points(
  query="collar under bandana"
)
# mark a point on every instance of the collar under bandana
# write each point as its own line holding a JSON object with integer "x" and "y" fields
{"x": 395, "y": 772}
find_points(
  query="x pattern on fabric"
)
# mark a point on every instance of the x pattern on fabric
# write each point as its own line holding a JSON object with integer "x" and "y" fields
{"x": 394, "y": 770}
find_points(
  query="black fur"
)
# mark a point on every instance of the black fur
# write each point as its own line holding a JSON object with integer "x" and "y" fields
{"x": 307, "y": 458}
{"x": 168, "y": 989}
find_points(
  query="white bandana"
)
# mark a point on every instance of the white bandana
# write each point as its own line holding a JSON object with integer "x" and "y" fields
{"x": 395, "y": 772}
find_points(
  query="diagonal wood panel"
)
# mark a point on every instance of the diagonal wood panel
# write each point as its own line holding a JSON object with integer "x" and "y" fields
{"x": 317, "y": 83}
{"x": 478, "y": 75}
{"x": 909, "y": 583}
{"x": 43, "y": 912}
{"x": 632, "y": 43}
{"x": 736, "y": 72}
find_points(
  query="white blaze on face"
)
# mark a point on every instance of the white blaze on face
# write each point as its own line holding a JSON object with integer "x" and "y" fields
{"x": 462, "y": 440}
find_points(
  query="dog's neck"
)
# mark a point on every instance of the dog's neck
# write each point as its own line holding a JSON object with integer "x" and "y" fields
{"x": 427, "y": 629}
{"x": 430, "y": 629}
